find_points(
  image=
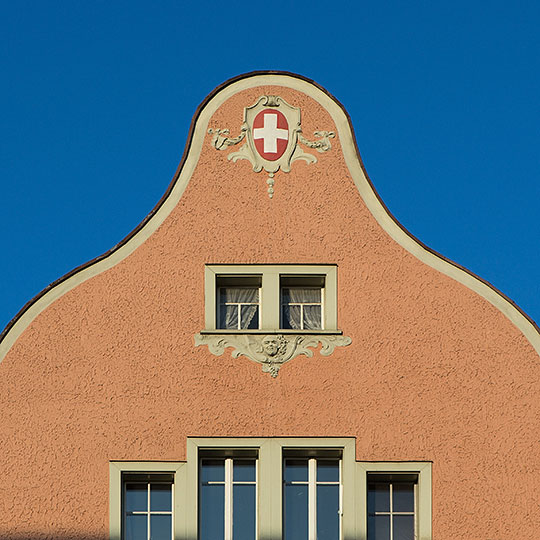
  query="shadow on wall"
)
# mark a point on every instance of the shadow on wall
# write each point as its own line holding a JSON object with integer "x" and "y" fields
{"x": 55, "y": 536}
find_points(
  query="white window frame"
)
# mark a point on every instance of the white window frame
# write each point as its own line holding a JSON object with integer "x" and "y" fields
{"x": 423, "y": 471}
{"x": 116, "y": 491}
{"x": 270, "y": 296}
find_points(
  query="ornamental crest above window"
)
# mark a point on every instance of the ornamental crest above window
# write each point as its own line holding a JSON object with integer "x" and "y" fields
{"x": 271, "y": 132}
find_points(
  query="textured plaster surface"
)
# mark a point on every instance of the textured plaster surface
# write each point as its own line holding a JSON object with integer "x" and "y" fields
{"x": 109, "y": 371}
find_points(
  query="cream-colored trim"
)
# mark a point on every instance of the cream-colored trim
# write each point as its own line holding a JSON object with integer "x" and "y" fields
{"x": 116, "y": 468}
{"x": 377, "y": 209}
{"x": 423, "y": 469}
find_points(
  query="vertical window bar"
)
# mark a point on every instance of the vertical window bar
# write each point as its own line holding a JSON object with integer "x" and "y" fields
{"x": 148, "y": 511}
{"x": 229, "y": 497}
{"x": 391, "y": 511}
{"x": 340, "y": 499}
{"x": 415, "y": 491}
{"x": 257, "y": 498}
{"x": 312, "y": 498}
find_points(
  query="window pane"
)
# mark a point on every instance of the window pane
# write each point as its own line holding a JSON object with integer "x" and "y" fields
{"x": 327, "y": 470}
{"x": 379, "y": 528}
{"x": 136, "y": 498}
{"x": 312, "y": 317}
{"x": 160, "y": 527}
{"x": 136, "y": 527}
{"x": 328, "y": 512}
{"x": 244, "y": 470}
{"x": 299, "y": 295}
{"x": 296, "y": 470}
{"x": 213, "y": 470}
{"x": 212, "y": 512}
{"x": 403, "y": 497}
{"x": 228, "y": 317}
{"x": 403, "y": 527}
{"x": 241, "y": 295}
{"x": 250, "y": 317}
{"x": 296, "y": 512}
{"x": 291, "y": 318}
{"x": 244, "y": 512}
{"x": 378, "y": 498}
{"x": 160, "y": 497}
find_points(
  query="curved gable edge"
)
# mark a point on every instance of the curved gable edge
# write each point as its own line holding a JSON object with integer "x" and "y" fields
{"x": 195, "y": 140}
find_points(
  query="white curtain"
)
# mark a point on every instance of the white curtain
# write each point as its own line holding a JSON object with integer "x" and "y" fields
{"x": 293, "y": 313}
{"x": 235, "y": 297}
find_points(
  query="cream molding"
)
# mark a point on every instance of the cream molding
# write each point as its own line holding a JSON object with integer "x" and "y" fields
{"x": 271, "y": 350}
{"x": 262, "y": 122}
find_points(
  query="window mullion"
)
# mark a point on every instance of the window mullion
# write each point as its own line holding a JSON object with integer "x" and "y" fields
{"x": 148, "y": 512}
{"x": 228, "y": 499}
{"x": 391, "y": 513}
{"x": 312, "y": 499}
{"x": 270, "y": 301}
{"x": 415, "y": 511}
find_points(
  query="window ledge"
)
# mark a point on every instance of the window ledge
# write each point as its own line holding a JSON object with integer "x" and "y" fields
{"x": 271, "y": 348}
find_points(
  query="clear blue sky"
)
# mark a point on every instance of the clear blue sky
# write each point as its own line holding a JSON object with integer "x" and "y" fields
{"x": 97, "y": 98}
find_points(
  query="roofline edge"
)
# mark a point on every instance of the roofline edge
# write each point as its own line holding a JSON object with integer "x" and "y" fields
{"x": 388, "y": 221}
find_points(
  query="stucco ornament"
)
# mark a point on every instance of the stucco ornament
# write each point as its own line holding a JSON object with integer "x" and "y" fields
{"x": 271, "y": 131}
{"x": 272, "y": 350}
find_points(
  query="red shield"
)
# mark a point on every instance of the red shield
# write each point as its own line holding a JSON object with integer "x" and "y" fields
{"x": 270, "y": 134}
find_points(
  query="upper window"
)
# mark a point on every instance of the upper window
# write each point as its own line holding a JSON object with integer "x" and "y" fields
{"x": 285, "y": 298}
{"x": 238, "y": 302}
{"x": 302, "y": 302}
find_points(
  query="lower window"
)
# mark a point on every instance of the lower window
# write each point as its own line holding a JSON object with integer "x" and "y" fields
{"x": 312, "y": 498}
{"x": 227, "y": 498}
{"x": 148, "y": 507}
{"x": 392, "y": 502}
{"x": 274, "y": 488}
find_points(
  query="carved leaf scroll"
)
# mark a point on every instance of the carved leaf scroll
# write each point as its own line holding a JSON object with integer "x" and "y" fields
{"x": 272, "y": 350}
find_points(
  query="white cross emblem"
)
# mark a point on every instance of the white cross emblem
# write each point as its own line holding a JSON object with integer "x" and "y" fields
{"x": 270, "y": 133}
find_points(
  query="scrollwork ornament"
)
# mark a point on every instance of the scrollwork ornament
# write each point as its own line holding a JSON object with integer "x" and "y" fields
{"x": 277, "y": 156}
{"x": 272, "y": 350}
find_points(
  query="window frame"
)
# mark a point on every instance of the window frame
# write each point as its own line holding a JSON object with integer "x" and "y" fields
{"x": 116, "y": 490}
{"x": 312, "y": 483}
{"x": 422, "y": 469}
{"x": 270, "y": 296}
{"x": 228, "y": 457}
{"x": 271, "y": 452}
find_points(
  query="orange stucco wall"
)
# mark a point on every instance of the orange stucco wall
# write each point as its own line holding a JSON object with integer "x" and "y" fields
{"x": 109, "y": 371}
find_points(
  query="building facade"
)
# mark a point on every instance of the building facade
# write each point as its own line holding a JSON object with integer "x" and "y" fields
{"x": 270, "y": 355}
